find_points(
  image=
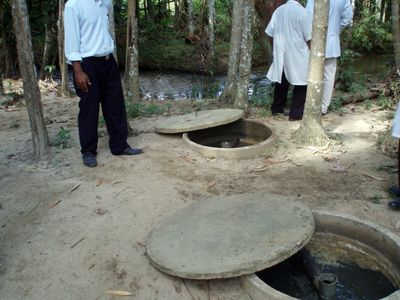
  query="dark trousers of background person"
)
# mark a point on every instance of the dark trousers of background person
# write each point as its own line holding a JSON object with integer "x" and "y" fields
{"x": 105, "y": 89}
{"x": 280, "y": 98}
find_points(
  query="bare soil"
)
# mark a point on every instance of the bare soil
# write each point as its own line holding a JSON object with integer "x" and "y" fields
{"x": 71, "y": 232}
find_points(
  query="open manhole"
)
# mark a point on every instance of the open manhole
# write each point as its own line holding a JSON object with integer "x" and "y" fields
{"x": 364, "y": 258}
{"x": 279, "y": 249}
{"x": 221, "y": 133}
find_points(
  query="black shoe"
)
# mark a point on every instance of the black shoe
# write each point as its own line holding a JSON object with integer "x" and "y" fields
{"x": 394, "y": 203}
{"x": 324, "y": 114}
{"x": 131, "y": 151}
{"x": 295, "y": 119}
{"x": 395, "y": 190}
{"x": 89, "y": 159}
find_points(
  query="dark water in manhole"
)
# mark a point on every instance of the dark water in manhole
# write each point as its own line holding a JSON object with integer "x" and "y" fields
{"x": 354, "y": 283}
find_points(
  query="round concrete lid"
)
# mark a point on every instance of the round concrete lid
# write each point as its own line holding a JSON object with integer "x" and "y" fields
{"x": 199, "y": 120}
{"x": 230, "y": 236}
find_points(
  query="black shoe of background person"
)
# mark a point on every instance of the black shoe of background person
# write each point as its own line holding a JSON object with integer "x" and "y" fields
{"x": 131, "y": 151}
{"x": 295, "y": 119}
{"x": 395, "y": 203}
{"x": 89, "y": 159}
{"x": 281, "y": 113}
{"x": 395, "y": 190}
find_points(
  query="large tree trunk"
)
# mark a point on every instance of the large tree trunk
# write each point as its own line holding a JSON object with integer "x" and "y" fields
{"x": 396, "y": 33}
{"x": 311, "y": 131}
{"x": 246, "y": 50}
{"x": 9, "y": 69}
{"x": 132, "y": 54}
{"x": 229, "y": 92}
{"x": 211, "y": 33}
{"x": 65, "y": 90}
{"x": 40, "y": 137}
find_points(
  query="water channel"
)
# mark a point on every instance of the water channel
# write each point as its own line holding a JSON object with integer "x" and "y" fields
{"x": 163, "y": 85}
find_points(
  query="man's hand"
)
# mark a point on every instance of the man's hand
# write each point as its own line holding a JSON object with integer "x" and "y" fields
{"x": 81, "y": 78}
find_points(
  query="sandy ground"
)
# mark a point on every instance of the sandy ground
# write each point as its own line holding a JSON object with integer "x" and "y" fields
{"x": 70, "y": 232}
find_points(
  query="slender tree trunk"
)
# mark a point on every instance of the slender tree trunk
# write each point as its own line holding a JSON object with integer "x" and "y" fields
{"x": 40, "y": 137}
{"x": 242, "y": 98}
{"x": 132, "y": 54}
{"x": 65, "y": 90}
{"x": 190, "y": 17}
{"x": 48, "y": 42}
{"x": 229, "y": 92}
{"x": 382, "y": 11}
{"x": 112, "y": 30}
{"x": 1, "y": 83}
{"x": 9, "y": 69}
{"x": 396, "y": 33}
{"x": 211, "y": 33}
{"x": 311, "y": 131}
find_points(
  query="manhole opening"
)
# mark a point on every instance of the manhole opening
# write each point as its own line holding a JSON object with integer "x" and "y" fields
{"x": 240, "y": 133}
{"x": 353, "y": 282}
{"x": 361, "y": 256}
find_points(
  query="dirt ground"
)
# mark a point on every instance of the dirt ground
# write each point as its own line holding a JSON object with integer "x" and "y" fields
{"x": 71, "y": 232}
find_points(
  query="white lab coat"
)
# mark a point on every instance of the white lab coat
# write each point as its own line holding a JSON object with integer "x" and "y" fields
{"x": 396, "y": 123}
{"x": 340, "y": 16}
{"x": 290, "y": 28}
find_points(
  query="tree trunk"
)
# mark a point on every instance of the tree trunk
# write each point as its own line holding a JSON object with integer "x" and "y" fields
{"x": 1, "y": 83}
{"x": 246, "y": 50}
{"x": 9, "y": 69}
{"x": 229, "y": 92}
{"x": 396, "y": 33}
{"x": 65, "y": 90}
{"x": 48, "y": 42}
{"x": 211, "y": 33}
{"x": 132, "y": 54}
{"x": 311, "y": 131}
{"x": 190, "y": 17}
{"x": 112, "y": 30}
{"x": 40, "y": 137}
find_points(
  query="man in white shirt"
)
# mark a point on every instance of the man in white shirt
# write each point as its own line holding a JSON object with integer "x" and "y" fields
{"x": 290, "y": 31}
{"x": 340, "y": 16}
{"x": 89, "y": 48}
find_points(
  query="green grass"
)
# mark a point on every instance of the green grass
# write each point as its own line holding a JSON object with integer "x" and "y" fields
{"x": 62, "y": 139}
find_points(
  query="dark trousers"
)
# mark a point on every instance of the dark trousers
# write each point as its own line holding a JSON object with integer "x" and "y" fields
{"x": 105, "y": 89}
{"x": 280, "y": 98}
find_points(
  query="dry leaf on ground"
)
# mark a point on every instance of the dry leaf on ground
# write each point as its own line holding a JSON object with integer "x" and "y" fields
{"x": 118, "y": 293}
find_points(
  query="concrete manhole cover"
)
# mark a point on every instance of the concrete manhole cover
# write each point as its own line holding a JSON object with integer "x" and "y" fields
{"x": 230, "y": 236}
{"x": 199, "y": 120}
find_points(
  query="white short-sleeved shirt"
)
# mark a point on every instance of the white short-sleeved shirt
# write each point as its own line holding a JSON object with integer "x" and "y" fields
{"x": 340, "y": 16}
{"x": 290, "y": 27}
{"x": 86, "y": 27}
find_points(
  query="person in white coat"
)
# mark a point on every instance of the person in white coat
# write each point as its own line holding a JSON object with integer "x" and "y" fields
{"x": 290, "y": 31}
{"x": 396, "y": 134}
{"x": 340, "y": 16}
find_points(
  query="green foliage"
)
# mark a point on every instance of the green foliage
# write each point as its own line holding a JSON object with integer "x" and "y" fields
{"x": 385, "y": 102}
{"x": 136, "y": 109}
{"x": 370, "y": 35}
{"x": 62, "y": 139}
{"x": 49, "y": 71}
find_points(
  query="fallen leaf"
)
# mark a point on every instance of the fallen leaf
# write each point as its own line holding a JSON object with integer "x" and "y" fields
{"x": 141, "y": 244}
{"x": 210, "y": 185}
{"x": 118, "y": 293}
{"x": 99, "y": 181}
{"x": 100, "y": 211}
{"x": 397, "y": 226}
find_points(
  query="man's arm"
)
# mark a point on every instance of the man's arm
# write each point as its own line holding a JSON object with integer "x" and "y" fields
{"x": 347, "y": 15}
{"x": 72, "y": 48}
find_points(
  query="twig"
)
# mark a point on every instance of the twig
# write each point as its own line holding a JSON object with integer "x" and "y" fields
{"x": 121, "y": 192}
{"x": 37, "y": 204}
{"x": 373, "y": 177}
{"x": 78, "y": 242}
{"x": 187, "y": 288}
{"x": 54, "y": 203}
{"x": 74, "y": 188}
